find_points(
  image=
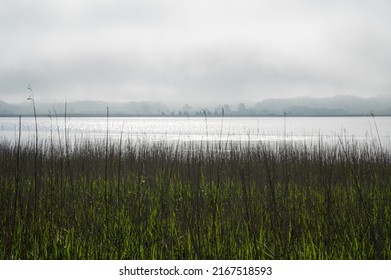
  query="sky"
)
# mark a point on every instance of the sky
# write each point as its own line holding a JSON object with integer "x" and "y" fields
{"x": 195, "y": 52}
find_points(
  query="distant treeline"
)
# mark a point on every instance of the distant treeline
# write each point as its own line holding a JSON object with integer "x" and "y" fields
{"x": 301, "y": 106}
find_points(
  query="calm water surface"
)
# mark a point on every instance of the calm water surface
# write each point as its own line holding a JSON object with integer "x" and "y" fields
{"x": 305, "y": 129}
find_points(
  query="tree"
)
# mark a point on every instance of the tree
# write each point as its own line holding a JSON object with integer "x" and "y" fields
{"x": 227, "y": 109}
{"x": 242, "y": 109}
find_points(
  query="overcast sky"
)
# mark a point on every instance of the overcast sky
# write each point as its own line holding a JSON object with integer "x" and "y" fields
{"x": 216, "y": 51}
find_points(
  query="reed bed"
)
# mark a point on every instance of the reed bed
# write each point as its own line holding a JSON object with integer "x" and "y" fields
{"x": 126, "y": 199}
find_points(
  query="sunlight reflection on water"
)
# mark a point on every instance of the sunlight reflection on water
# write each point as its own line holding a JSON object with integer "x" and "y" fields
{"x": 233, "y": 129}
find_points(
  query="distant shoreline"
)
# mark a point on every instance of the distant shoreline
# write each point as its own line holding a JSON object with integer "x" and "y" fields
{"x": 183, "y": 116}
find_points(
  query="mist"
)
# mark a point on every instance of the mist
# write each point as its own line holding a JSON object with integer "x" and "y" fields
{"x": 198, "y": 52}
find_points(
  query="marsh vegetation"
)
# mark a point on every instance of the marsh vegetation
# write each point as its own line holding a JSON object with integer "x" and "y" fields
{"x": 102, "y": 199}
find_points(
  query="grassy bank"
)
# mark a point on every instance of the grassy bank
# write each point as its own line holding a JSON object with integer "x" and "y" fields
{"x": 128, "y": 200}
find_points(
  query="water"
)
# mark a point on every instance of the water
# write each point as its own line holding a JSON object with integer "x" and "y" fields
{"x": 253, "y": 129}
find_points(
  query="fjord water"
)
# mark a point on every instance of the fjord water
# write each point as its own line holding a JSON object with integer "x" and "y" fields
{"x": 245, "y": 129}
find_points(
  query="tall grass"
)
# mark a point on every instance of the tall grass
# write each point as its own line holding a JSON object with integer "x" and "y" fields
{"x": 181, "y": 201}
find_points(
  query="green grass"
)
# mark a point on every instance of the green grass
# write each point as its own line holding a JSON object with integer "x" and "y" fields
{"x": 162, "y": 201}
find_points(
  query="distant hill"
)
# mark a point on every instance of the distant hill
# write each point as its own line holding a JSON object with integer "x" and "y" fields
{"x": 85, "y": 108}
{"x": 337, "y": 105}
{"x": 299, "y": 106}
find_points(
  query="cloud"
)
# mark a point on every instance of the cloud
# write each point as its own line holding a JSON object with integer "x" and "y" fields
{"x": 193, "y": 51}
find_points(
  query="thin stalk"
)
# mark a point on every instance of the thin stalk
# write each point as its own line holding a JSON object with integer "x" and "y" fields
{"x": 119, "y": 165}
{"x": 377, "y": 131}
{"x": 61, "y": 177}
{"x": 106, "y": 160}
{"x": 207, "y": 136}
{"x": 285, "y": 128}
{"x": 17, "y": 173}
{"x": 221, "y": 128}
{"x": 67, "y": 155}
{"x": 31, "y": 98}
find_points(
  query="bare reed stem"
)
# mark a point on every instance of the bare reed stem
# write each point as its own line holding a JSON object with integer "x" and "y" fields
{"x": 31, "y": 98}
{"x": 106, "y": 159}
{"x": 17, "y": 173}
{"x": 377, "y": 130}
